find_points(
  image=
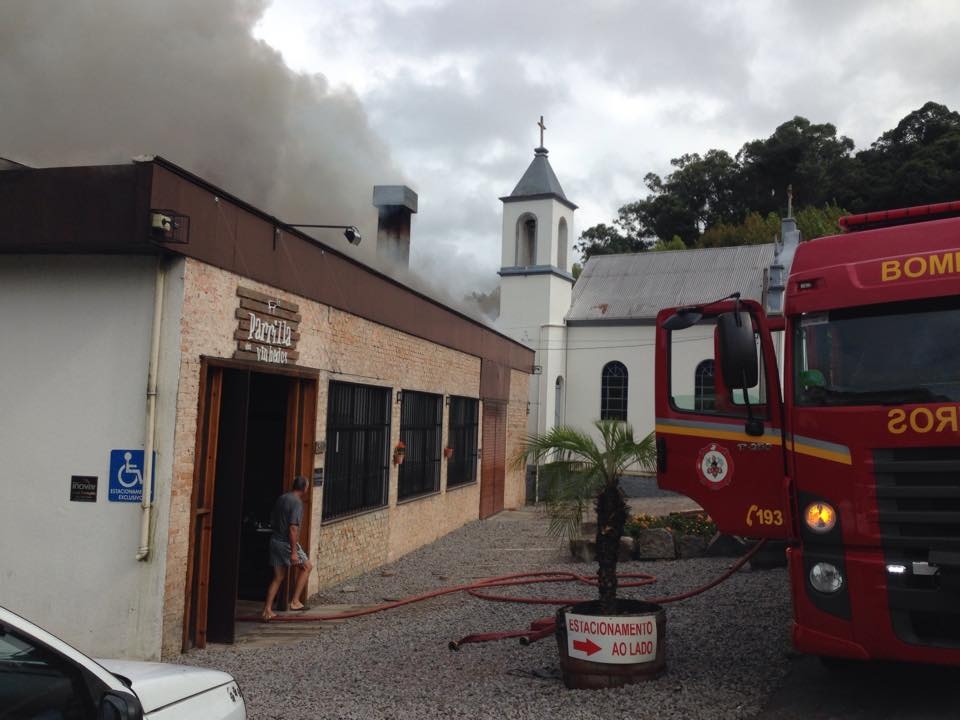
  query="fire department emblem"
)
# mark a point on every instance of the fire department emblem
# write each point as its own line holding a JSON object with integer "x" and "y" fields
{"x": 715, "y": 466}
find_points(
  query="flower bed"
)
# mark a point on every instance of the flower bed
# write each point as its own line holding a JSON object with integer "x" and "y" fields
{"x": 695, "y": 523}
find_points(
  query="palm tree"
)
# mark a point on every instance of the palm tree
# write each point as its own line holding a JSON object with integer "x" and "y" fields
{"x": 577, "y": 468}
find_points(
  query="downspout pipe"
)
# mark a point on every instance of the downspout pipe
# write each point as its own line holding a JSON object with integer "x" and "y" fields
{"x": 143, "y": 552}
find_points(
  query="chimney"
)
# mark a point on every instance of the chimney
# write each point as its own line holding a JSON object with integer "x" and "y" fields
{"x": 395, "y": 204}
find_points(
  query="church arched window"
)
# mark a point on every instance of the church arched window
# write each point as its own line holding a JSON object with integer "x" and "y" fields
{"x": 527, "y": 240}
{"x": 613, "y": 391}
{"x": 562, "y": 248}
{"x": 704, "y": 390}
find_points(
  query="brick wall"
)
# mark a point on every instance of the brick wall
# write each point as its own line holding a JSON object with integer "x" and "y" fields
{"x": 341, "y": 347}
{"x": 515, "y": 485}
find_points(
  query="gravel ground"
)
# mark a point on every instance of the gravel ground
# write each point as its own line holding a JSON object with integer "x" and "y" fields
{"x": 727, "y": 649}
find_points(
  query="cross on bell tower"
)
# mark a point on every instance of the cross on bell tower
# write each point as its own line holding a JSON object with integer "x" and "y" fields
{"x": 542, "y": 128}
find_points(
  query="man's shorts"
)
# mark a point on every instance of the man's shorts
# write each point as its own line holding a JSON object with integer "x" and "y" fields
{"x": 280, "y": 553}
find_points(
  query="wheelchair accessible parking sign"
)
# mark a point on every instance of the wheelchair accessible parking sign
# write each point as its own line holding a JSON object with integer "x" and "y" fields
{"x": 126, "y": 476}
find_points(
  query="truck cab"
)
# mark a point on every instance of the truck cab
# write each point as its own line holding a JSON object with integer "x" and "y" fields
{"x": 836, "y": 427}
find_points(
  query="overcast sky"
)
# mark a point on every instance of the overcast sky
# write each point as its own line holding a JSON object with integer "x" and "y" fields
{"x": 300, "y": 106}
{"x": 454, "y": 88}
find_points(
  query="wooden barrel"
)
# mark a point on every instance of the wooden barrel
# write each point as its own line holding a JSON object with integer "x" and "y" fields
{"x": 601, "y": 649}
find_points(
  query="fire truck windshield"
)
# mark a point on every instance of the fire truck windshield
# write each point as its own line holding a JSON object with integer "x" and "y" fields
{"x": 879, "y": 355}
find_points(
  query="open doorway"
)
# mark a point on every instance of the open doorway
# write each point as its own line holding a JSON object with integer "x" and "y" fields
{"x": 256, "y": 434}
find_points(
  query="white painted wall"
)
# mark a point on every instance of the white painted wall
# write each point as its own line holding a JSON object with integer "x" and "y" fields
{"x": 73, "y": 375}
{"x": 592, "y": 347}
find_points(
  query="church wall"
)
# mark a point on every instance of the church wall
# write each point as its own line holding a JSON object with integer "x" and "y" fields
{"x": 589, "y": 349}
{"x": 524, "y": 307}
{"x": 561, "y": 294}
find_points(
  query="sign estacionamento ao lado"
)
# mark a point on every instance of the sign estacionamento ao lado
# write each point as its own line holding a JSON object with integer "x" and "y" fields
{"x": 614, "y": 640}
{"x": 267, "y": 329}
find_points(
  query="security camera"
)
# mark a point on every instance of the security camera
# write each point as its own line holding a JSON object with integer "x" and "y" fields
{"x": 161, "y": 222}
{"x": 352, "y": 235}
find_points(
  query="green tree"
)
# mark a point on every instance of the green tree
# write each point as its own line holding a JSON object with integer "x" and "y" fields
{"x": 675, "y": 244}
{"x": 607, "y": 240}
{"x": 915, "y": 163}
{"x": 576, "y": 468}
{"x": 756, "y": 229}
{"x": 715, "y": 199}
{"x": 819, "y": 222}
{"x": 801, "y": 154}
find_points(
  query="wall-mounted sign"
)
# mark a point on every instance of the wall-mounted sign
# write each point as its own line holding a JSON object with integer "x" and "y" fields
{"x": 83, "y": 488}
{"x": 126, "y": 476}
{"x": 267, "y": 328}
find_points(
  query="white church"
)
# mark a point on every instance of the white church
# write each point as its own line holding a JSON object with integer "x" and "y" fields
{"x": 594, "y": 337}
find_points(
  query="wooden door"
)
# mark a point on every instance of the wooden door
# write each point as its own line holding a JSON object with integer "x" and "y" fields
{"x": 228, "y": 506}
{"x": 299, "y": 458}
{"x": 493, "y": 459}
{"x": 201, "y": 521}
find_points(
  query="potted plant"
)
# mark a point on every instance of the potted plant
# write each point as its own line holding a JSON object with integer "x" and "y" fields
{"x": 399, "y": 452}
{"x": 576, "y": 468}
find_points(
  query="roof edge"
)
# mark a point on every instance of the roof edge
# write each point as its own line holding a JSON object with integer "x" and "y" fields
{"x": 539, "y": 196}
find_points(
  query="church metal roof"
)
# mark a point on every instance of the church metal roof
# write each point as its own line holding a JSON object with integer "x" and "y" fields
{"x": 539, "y": 181}
{"x": 634, "y": 287}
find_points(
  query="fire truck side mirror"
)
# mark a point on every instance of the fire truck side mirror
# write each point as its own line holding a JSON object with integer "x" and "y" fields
{"x": 738, "y": 350}
{"x": 682, "y": 319}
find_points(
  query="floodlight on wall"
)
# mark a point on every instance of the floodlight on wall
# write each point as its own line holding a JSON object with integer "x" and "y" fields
{"x": 350, "y": 232}
{"x": 399, "y": 395}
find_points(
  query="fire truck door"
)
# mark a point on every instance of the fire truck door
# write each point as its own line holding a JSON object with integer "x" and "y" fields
{"x": 717, "y": 444}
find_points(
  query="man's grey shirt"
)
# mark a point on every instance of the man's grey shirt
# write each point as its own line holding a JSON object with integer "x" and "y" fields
{"x": 287, "y": 511}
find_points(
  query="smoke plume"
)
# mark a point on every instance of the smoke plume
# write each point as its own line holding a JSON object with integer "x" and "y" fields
{"x": 101, "y": 81}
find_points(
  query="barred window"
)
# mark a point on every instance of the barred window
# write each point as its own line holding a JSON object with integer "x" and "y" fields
{"x": 421, "y": 421}
{"x": 358, "y": 447}
{"x": 613, "y": 391}
{"x": 462, "y": 438}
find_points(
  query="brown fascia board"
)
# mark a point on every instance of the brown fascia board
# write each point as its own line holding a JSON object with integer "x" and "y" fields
{"x": 75, "y": 210}
{"x": 106, "y": 210}
{"x": 231, "y": 234}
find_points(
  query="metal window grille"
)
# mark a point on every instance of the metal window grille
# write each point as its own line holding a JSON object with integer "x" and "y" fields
{"x": 704, "y": 389}
{"x": 613, "y": 391}
{"x": 358, "y": 447}
{"x": 462, "y": 437}
{"x": 421, "y": 421}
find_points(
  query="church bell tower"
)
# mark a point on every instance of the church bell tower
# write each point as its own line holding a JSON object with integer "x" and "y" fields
{"x": 536, "y": 281}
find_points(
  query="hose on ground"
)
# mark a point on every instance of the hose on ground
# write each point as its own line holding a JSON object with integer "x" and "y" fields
{"x": 540, "y": 628}
{"x": 544, "y": 627}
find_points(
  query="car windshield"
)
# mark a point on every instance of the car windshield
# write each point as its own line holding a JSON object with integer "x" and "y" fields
{"x": 880, "y": 355}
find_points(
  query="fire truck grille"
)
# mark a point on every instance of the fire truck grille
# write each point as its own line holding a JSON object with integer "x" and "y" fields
{"x": 918, "y": 497}
{"x": 918, "y": 500}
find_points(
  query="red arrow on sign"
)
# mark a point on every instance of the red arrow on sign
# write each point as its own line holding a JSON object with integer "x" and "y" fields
{"x": 588, "y": 646}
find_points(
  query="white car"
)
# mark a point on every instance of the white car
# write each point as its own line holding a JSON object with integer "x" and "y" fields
{"x": 43, "y": 678}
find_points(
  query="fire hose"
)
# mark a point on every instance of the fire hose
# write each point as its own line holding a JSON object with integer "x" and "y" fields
{"x": 540, "y": 628}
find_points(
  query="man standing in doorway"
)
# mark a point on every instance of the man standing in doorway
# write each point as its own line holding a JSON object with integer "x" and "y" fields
{"x": 285, "y": 550}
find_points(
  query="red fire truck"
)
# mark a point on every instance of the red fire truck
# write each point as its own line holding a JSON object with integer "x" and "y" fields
{"x": 855, "y": 463}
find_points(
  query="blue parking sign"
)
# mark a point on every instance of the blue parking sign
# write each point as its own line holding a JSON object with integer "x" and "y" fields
{"x": 126, "y": 476}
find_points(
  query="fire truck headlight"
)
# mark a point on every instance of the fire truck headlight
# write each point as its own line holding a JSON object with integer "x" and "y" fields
{"x": 820, "y": 517}
{"x": 826, "y": 577}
